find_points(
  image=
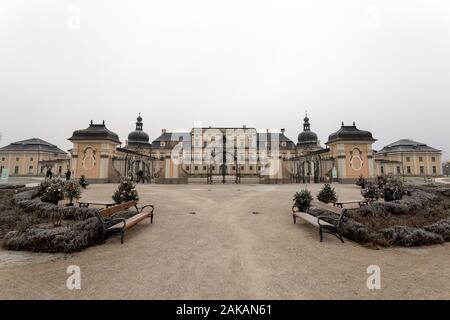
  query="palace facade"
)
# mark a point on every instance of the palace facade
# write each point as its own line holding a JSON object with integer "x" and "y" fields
{"x": 239, "y": 154}
{"x": 234, "y": 154}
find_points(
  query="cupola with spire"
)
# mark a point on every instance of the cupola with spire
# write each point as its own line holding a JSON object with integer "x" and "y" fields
{"x": 139, "y": 138}
{"x": 307, "y": 138}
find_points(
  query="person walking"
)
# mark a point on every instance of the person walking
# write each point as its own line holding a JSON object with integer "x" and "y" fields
{"x": 49, "y": 174}
{"x": 140, "y": 175}
{"x": 68, "y": 174}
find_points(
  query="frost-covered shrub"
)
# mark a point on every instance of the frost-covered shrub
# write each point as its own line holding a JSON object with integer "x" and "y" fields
{"x": 327, "y": 194}
{"x": 125, "y": 192}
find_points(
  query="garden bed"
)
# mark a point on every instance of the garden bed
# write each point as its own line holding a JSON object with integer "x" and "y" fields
{"x": 423, "y": 218}
{"x": 27, "y": 223}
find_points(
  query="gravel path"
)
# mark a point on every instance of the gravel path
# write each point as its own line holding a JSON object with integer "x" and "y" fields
{"x": 241, "y": 243}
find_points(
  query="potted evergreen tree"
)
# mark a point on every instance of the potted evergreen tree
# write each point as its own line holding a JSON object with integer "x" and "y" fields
{"x": 52, "y": 191}
{"x": 327, "y": 194}
{"x": 302, "y": 200}
{"x": 125, "y": 192}
{"x": 361, "y": 182}
{"x": 83, "y": 182}
{"x": 72, "y": 190}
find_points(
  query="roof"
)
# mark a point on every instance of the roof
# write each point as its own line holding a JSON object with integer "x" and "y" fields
{"x": 95, "y": 132}
{"x": 175, "y": 136}
{"x": 407, "y": 145}
{"x": 33, "y": 144}
{"x": 350, "y": 133}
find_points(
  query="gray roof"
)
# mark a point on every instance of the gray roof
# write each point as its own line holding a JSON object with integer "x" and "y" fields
{"x": 407, "y": 145}
{"x": 171, "y": 136}
{"x": 95, "y": 132}
{"x": 350, "y": 133}
{"x": 34, "y": 144}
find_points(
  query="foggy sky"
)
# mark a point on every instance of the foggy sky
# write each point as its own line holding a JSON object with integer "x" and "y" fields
{"x": 383, "y": 64}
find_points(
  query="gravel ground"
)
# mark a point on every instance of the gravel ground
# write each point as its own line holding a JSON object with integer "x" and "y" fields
{"x": 241, "y": 243}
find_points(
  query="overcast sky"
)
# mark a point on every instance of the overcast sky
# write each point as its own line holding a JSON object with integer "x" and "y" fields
{"x": 383, "y": 64}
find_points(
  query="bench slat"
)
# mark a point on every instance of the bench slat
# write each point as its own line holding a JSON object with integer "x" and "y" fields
{"x": 130, "y": 222}
{"x": 109, "y": 211}
{"x": 309, "y": 218}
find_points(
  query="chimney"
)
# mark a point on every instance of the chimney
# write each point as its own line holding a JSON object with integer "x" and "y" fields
{"x": 283, "y": 130}
{"x": 163, "y": 131}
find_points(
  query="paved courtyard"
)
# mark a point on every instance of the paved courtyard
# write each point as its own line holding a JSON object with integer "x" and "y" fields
{"x": 226, "y": 251}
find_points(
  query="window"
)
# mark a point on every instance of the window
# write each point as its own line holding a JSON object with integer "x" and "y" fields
{"x": 283, "y": 144}
{"x": 242, "y": 167}
{"x": 408, "y": 169}
{"x": 163, "y": 144}
{"x": 433, "y": 159}
{"x": 408, "y": 159}
{"x": 233, "y": 168}
{"x": 3, "y": 159}
{"x": 420, "y": 159}
{"x": 1, "y": 169}
{"x": 187, "y": 168}
{"x": 17, "y": 159}
{"x": 434, "y": 170}
{"x": 422, "y": 169}
{"x": 42, "y": 170}
{"x": 398, "y": 170}
{"x": 16, "y": 170}
{"x": 196, "y": 168}
{"x": 213, "y": 168}
{"x": 382, "y": 169}
{"x": 60, "y": 169}
{"x": 250, "y": 168}
{"x": 31, "y": 159}
{"x": 30, "y": 170}
{"x": 204, "y": 167}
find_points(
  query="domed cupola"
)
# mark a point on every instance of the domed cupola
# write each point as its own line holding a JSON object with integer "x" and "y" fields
{"x": 138, "y": 138}
{"x": 307, "y": 138}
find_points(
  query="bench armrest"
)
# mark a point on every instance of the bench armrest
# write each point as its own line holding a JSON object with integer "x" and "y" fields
{"x": 140, "y": 209}
{"x": 116, "y": 220}
{"x": 328, "y": 219}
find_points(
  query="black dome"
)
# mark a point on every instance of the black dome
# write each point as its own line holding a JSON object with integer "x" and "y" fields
{"x": 138, "y": 138}
{"x": 307, "y": 137}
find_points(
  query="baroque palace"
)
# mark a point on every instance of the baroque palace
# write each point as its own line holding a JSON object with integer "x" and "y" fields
{"x": 210, "y": 154}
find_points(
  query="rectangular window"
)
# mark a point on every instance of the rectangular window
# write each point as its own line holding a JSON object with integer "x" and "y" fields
{"x": 196, "y": 168}
{"x": 30, "y": 170}
{"x": 434, "y": 170}
{"x": 17, "y": 159}
{"x": 16, "y": 170}
{"x": 204, "y": 167}
{"x": 60, "y": 169}
{"x": 422, "y": 169}
{"x": 3, "y": 159}
{"x": 242, "y": 168}
{"x": 187, "y": 168}
{"x": 398, "y": 169}
{"x": 433, "y": 159}
{"x": 251, "y": 168}
{"x": 382, "y": 169}
{"x": 31, "y": 159}
{"x": 408, "y": 169}
{"x": 233, "y": 168}
{"x": 408, "y": 159}
{"x": 420, "y": 159}
{"x": 1, "y": 169}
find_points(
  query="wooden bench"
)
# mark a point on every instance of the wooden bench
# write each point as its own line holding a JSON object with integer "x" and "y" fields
{"x": 325, "y": 223}
{"x": 121, "y": 224}
{"x": 341, "y": 204}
